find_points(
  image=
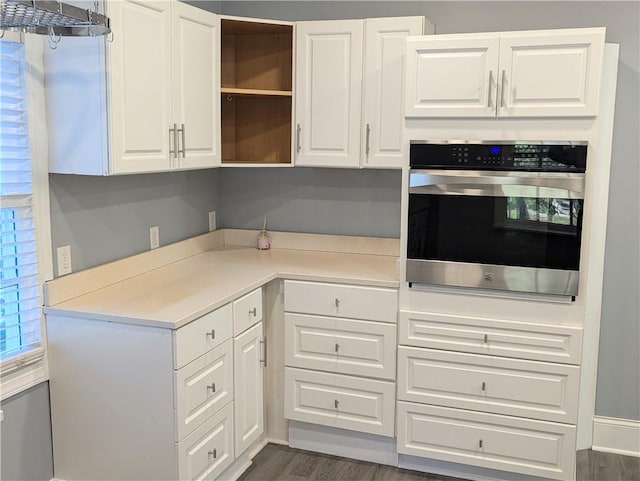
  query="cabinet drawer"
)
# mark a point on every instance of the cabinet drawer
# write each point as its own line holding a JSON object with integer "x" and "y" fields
{"x": 524, "y": 340}
{"x": 356, "y": 302}
{"x": 534, "y": 448}
{"x": 203, "y": 387}
{"x": 343, "y": 402}
{"x": 202, "y": 335}
{"x": 247, "y": 311}
{"x": 207, "y": 451}
{"x": 344, "y": 346}
{"x": 538, "y": 390}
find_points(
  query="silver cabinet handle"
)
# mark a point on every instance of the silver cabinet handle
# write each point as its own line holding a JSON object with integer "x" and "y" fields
{"x": 337, "y": 303}
{"x": 486, "y": 338}
{"x": 484, "y": 386}
{"x": 502, "y": 88}
{"x": 182, "y": 134}
{"x": 175, "y": 141}
{"x": 480, "y": 443}
{"x": 212, "y": 334}
{"x": 489, "y": 90}
{"x": 214, "y": 453}
{"x": 337, "y": 347}
{"x": 298, "y": 136}
{"x": 368, "y": 136}
{"x": 263, "y": 341}
{"x": 254, "y": 312}
{"x": 172, "y": 136}
{"x": 212, "y": 387}
{"x": 335, "y": 403}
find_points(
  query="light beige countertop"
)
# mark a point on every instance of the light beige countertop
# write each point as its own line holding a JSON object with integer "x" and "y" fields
{"x": 175, "y": 294}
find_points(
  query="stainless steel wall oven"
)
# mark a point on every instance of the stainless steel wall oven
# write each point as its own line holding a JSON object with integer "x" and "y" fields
{"x": 498, "y": 215}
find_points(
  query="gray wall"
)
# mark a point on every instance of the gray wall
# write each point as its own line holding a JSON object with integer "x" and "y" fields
{"x": 290, "y": 208}
{"x": 107, "y": 218}
{"x": 330, "y": 201}
{"x": 25, "y": 436}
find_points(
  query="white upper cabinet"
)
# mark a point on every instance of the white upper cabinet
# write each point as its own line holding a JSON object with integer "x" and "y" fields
{"x": 451, "y": 77}
{"x": 548, "y": 73}
{"x": 140, "y": 69}
{"x": 382, "y": 136}
{"x": 350, "y": 91}
{"x": 196, "y": 74}
{"x": 328, "y": 93}
{"x": 551, "y": 74}
{"x": 144, "y": 102}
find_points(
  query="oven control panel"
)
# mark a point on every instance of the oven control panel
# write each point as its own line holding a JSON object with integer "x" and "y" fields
{"x": 531, "y": 157}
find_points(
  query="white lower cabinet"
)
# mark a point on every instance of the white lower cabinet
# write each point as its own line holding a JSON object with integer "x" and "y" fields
{"x": 203, "y": 387}
{"x": 207, "y": 451}
{"x": 192, "y": 397}
{"x": 525, "y": 446}
{"x": 514, "y": 387}
{"x": 345, "y": 402}
{"x": 340, "y": 355}
{"x": 491, "y": 393}
{"x": 248, "y": 388}
{"x": 345, "y": 346}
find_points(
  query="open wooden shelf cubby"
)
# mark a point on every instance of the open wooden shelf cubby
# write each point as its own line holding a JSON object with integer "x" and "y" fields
{"x": 256, "y": 92}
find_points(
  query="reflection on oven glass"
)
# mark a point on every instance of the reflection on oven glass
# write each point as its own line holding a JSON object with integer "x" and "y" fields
{"x": 549, "y": 211}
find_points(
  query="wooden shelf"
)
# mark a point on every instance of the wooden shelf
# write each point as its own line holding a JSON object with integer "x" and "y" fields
{"x": 256, "y": 88}
{"x": 264, "y": 92}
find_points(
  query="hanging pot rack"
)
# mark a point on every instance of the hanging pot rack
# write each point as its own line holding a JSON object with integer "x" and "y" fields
{"x": 52, "y": 18}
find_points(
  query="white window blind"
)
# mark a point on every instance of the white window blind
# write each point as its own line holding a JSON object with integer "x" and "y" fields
{"x": 20, "y": 311}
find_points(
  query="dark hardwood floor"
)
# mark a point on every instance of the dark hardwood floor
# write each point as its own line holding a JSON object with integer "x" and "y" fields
{"x": 281, "y": 463}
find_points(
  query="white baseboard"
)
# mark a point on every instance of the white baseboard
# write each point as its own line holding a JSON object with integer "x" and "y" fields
{"x": 615, "y": 435}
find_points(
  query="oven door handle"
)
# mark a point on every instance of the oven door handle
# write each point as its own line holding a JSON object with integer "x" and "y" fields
{"x": 506, "y": 184}
{"x": 528, "y": 191}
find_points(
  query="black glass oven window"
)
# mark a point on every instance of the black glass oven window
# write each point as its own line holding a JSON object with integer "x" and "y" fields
{"x": 515, "y": 231}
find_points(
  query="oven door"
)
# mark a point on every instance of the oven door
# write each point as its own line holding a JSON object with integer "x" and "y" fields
{"x": 516, "y": 231}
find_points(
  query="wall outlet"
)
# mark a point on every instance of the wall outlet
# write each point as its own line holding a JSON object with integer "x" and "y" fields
{"x": 154, "y": 237}
{"x": 212, "y": 220}
{"x": 64, "y": 260}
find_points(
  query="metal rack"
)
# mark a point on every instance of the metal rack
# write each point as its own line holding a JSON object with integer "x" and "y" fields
{"x": 53, "y": 18}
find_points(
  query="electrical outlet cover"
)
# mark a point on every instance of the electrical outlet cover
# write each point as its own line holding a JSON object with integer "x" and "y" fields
{"x": 212, "y": 220}
{"x": 154, "y": 237}
{"x": 64, "y": 260}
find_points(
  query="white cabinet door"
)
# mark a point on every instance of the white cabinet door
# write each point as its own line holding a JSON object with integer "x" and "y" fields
{"x": 551, "y": 74}
{"x": 515, "y": 387}
{"x": 518, "y": 445}
{"x": 451, "y": 77}
{"x": 328, "y": 93}
{"x": 140, "y": 66}
{"x": 345, "y": 346}
{"x": 248, "y": 388}
{"x": 383, "y": 142}
{"x": 207, "y": 451}
{"x": 196, "y": 78}
{"x": 344, "y": 402}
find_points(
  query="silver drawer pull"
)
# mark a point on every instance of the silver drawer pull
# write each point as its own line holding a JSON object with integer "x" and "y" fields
{"x": 212, "y": 334}
{"x": 263, "y": 341}
{"x": 484, "y": 386}
{"x": 486, "y": 338}
{"x": 337, "y": 302}
{"x": 212, "y": 387}
{"x": 335, "y": 403}
{"x": 214, "y": 453}
{"x": 337, "y": 347}
{"x": 480, "y": 443}
{"x": 254, "y": 312}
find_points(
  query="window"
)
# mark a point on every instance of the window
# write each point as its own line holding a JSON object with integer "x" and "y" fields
{"x": 21, "y": 202}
